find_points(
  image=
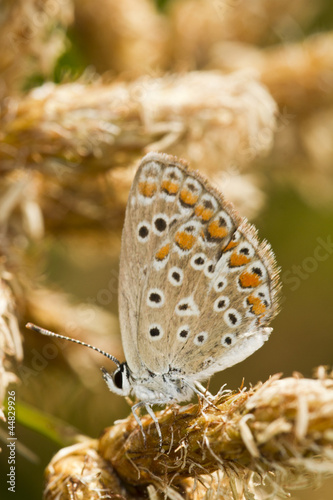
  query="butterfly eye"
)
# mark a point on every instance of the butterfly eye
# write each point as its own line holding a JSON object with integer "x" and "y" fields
{"x": 118, "y": 379}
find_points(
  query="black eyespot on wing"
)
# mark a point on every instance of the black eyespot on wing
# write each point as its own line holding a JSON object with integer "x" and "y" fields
{"x": 199, "y": 261}
{"x": 160, "y": 224}
{"x": 183, "y": 333}
{"x": 208, "y": 204}
{"x": 176, "y": 276}
{"x": 228, "y": 340}
{"x": 232, "y": 318}
{"x": 155, "y": 297}
{"x": 257, "y": 270}
{"x": 154, "y": 332}
{"x": 143, "y": 232}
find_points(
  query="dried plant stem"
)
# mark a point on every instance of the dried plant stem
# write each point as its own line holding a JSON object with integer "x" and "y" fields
{"x": 281, "y": 429}
{"x": 100, "y": 126}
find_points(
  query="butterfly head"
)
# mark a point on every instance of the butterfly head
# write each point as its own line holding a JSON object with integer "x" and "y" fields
{"x": 119, "y": 381}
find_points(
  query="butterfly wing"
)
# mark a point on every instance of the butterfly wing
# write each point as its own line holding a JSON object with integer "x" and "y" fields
{"x": 197, "y": 287}
{"x": 145, "y": 233}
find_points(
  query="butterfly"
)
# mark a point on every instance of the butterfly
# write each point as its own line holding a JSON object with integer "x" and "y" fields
{"x": 196, "y": 288}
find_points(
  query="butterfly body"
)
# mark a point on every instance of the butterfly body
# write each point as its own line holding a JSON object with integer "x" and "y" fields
{"x": 152, "y": 388}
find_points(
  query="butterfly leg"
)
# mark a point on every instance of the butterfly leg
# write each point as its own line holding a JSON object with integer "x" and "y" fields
{"x": 157, "y": 425}
{"x": 153, "y": 416}
{"x": 138, "y": 420}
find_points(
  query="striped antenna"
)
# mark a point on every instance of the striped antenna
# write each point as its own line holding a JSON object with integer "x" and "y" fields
{"x": 38, "y": 329}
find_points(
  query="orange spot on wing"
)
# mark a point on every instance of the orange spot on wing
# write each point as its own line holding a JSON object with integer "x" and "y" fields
{"x": 258, "y": 307}
{"x": 237, "y": 259}
{"x": 170, "y": 187}
{"x": 204, "y": 213}
{"x": 147, "y": 189}
{"x": 163, "y": 252}
{"x": 188, "y": 198}
{"x": 217, "y": 231}
{"x": 232, "y": 244}
{"x": 184, "y": 240}
{"x": 249, "y": 280}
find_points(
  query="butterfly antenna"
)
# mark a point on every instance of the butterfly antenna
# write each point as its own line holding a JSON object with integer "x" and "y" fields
{"x": 38, "y": 329}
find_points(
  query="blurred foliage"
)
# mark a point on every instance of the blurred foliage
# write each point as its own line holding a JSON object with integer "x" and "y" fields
{"x": 162, "y": 5}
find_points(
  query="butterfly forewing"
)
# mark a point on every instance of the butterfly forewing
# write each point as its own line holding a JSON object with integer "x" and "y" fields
{"x": 197, "y": 282}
